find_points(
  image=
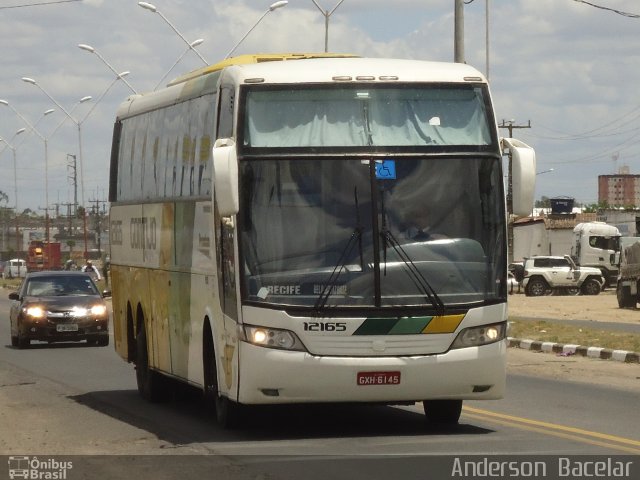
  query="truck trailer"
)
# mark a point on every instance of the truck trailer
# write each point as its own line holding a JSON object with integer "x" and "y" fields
{"x": 44, "y": 256}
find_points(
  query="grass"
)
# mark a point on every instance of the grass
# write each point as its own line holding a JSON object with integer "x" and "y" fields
{"x": 568, "y": 334}
{"x": 10, "y": 284}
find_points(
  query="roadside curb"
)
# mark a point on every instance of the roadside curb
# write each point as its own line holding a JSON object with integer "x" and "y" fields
{"x": 569, "y": 350}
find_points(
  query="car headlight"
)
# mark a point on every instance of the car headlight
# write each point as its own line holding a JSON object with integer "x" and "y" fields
{"x": 35, "y": 312}
{"x": 483, "y": 335}
{"x": 98, "y": 310}
{"x": 272, "y": 338}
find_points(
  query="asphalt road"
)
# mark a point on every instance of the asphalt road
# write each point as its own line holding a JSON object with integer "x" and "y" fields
{"x": 70, "y": 399}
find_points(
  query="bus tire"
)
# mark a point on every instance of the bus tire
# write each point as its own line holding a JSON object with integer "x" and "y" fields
{"x": 151, "y": 385}
{"x": 442, "y": 412}
{"x": 227, "y": 411}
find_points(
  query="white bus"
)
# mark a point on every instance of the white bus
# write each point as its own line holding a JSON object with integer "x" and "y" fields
{"x": 302, "y": 228}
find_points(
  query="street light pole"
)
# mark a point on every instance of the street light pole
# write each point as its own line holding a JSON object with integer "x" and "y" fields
{"x": 79, "y": 126}
{"x": 195, "y": 43}
{"x": 33, "y": 82}
{"x": 32, "y": 128}
{"x": 120, "y": 76}
{"x": 90, "y": 49}
{"x": 15, "y": 183}
{"x": 272, "y": 7}
{"x": 190, "y": 45}
{"x": 326, "y": 14}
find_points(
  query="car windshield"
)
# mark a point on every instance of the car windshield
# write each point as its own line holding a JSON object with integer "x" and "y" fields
{"x": 59, "y": 286}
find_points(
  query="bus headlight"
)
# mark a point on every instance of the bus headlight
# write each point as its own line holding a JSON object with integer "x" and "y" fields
{"x": 483, "y": 335}
{"x": 272, "y": 338}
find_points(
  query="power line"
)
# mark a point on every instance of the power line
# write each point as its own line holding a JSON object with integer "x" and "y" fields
{"x": 39, "y": 4}
{"x": 619, "y": 12}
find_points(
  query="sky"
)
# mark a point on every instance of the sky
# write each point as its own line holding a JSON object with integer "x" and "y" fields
{"x": 566, "y": 68}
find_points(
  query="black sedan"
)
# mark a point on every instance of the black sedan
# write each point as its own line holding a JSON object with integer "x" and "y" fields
{"x": 59, "y": 307}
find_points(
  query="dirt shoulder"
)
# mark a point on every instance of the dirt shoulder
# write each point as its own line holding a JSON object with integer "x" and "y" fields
{"x": 596, "y": 308}
{"x": 574, "y": 369}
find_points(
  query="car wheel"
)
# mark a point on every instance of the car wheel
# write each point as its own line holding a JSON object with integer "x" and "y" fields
{"x": 14, "y": 341}
{"x": 150, "y": 383}
{"x": 23, "y": 342}
{"x": 102, "y": 341}
{"x": 443, "y": 412}
{"x": 590, "y": 287}
{"x": 625, "y": 299}
{"x": 537, "y": 287}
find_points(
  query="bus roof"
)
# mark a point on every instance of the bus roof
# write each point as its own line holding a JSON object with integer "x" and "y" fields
{"x": 331, "y": 67}
{"x": 254, "y": 58}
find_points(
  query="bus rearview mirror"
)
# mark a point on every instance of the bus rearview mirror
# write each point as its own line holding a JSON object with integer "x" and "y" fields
{"x": 225, "y": 174}
{"x": 523, "y": 176}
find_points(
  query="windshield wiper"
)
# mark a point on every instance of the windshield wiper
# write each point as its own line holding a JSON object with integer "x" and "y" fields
{"x": 414, "y": 272}
{"x": 354, "y": 239}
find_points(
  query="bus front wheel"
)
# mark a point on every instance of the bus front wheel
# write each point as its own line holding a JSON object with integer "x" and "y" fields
{"x": 227, "y": 411}
{"x": 443, "y": 412}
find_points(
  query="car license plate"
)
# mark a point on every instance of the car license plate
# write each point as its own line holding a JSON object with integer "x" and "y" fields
{"x": 378, "y": 378}
{"x": 67, "y": 327}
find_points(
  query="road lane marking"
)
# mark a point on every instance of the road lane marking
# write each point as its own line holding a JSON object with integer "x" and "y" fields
{"x": 563, "y": 431}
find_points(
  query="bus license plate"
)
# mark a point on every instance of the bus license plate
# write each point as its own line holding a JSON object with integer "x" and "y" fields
{"x": 67, "y": 327}
{"x": 378, "y": 378}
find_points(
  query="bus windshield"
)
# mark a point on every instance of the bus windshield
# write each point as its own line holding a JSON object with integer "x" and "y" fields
{"x": 362, "y": 115}
{"x": 399, "y": 232}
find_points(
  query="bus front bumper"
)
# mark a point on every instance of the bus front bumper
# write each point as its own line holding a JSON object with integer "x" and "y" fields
{"x": 269, "y": 376}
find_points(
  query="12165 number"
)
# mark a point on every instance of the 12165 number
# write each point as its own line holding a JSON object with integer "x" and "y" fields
{"x": 325, "y": 326}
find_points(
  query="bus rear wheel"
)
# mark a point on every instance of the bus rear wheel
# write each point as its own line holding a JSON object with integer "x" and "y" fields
{"x": 151, "y": 384}
{"x": 442, "y": 412}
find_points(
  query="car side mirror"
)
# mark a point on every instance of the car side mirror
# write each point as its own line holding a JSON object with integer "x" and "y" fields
{"x": 14, "y": 296}
{"x": 106, "y": 294}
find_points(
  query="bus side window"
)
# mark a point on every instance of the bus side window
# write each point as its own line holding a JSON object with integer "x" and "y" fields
{"x": 225, "y": 112}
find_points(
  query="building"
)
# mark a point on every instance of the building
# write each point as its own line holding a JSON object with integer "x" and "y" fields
{"x": 620, "y": 190}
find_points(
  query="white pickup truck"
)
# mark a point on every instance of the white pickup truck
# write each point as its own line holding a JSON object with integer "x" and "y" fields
{"x": 545, "y": 275}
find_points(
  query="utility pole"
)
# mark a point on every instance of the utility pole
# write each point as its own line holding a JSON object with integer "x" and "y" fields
{"x": 98, "y": 222}
{"x": 74, "y": 180}
{"x": 510, "y": 125}
{"x": 458, "y": 35}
